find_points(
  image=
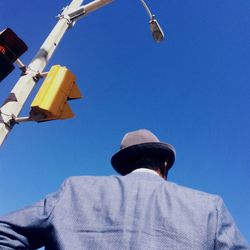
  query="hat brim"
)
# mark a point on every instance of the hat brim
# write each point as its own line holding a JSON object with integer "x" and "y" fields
{"x": 123, "y": 159}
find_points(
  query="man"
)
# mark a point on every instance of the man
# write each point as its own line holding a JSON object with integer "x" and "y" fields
{"x": 138, "y": 210}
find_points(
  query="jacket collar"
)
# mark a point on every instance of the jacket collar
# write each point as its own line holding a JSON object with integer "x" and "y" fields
{"x": 145, "y": 170}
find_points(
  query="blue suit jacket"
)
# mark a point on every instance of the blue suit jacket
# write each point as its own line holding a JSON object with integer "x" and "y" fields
{"x": 137, "y": 211}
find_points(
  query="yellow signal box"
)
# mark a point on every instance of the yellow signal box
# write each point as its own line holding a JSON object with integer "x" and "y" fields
{"x": 50, "y": 103}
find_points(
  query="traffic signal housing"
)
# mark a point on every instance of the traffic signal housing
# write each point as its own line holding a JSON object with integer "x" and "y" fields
{"x": 50, "y": 103}
{"x": 11, "y": 48}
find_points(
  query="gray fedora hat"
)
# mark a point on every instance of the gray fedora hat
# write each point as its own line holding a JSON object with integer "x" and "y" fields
{"x": 139, "y": 142}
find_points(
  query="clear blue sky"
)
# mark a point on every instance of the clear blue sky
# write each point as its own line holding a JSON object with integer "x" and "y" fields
{"x": 192, "y": 91}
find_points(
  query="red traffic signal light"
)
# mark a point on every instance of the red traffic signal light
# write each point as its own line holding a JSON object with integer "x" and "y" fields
{"x": 6, "y": 66}
{"x": 11, "y": 48}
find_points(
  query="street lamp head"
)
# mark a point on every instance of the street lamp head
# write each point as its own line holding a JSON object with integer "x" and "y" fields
{"x": 156, "y": 30}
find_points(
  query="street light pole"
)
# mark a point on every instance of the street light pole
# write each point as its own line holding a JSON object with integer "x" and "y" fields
{"x": 32, "y": 73}
{"x": 12, "y": 106}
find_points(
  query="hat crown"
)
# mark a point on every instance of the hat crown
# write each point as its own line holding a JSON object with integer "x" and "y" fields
{"x": 138, "y": 137}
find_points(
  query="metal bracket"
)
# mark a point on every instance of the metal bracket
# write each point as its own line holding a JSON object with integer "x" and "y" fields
{"x": 74, "y": 15}
{"x": 17, "y": 120}
{"x": 9, "y": 124}
{"x": 64, "y": 15}
{"x": 42, "y": 74}
{"x": 33, "y": 117}
{"x": 21, "y": 66}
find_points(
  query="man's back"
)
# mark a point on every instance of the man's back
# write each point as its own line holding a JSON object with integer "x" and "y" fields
{"x": 136, "y": 211}
{"x": 140, "y": 211}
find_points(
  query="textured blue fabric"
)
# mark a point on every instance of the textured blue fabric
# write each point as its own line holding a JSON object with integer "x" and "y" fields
{"x": 136, "y": 211}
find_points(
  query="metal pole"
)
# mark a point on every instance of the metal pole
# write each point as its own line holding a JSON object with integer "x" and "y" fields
{"x": 19, "y": 94}
{"x": 89, "y": 7}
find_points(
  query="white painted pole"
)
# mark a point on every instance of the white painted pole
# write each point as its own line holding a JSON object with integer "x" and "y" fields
{"x": 19, "y": 94}
{"x": 89, "y": 7}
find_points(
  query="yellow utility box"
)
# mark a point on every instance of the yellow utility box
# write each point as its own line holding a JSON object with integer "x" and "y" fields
{"x": 50, "y": 103}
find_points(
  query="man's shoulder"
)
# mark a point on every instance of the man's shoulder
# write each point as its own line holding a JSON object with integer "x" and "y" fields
{"x": 88, "y": 180}
{"x": 80, "y": 178}
{"x": 191, "y": 193}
